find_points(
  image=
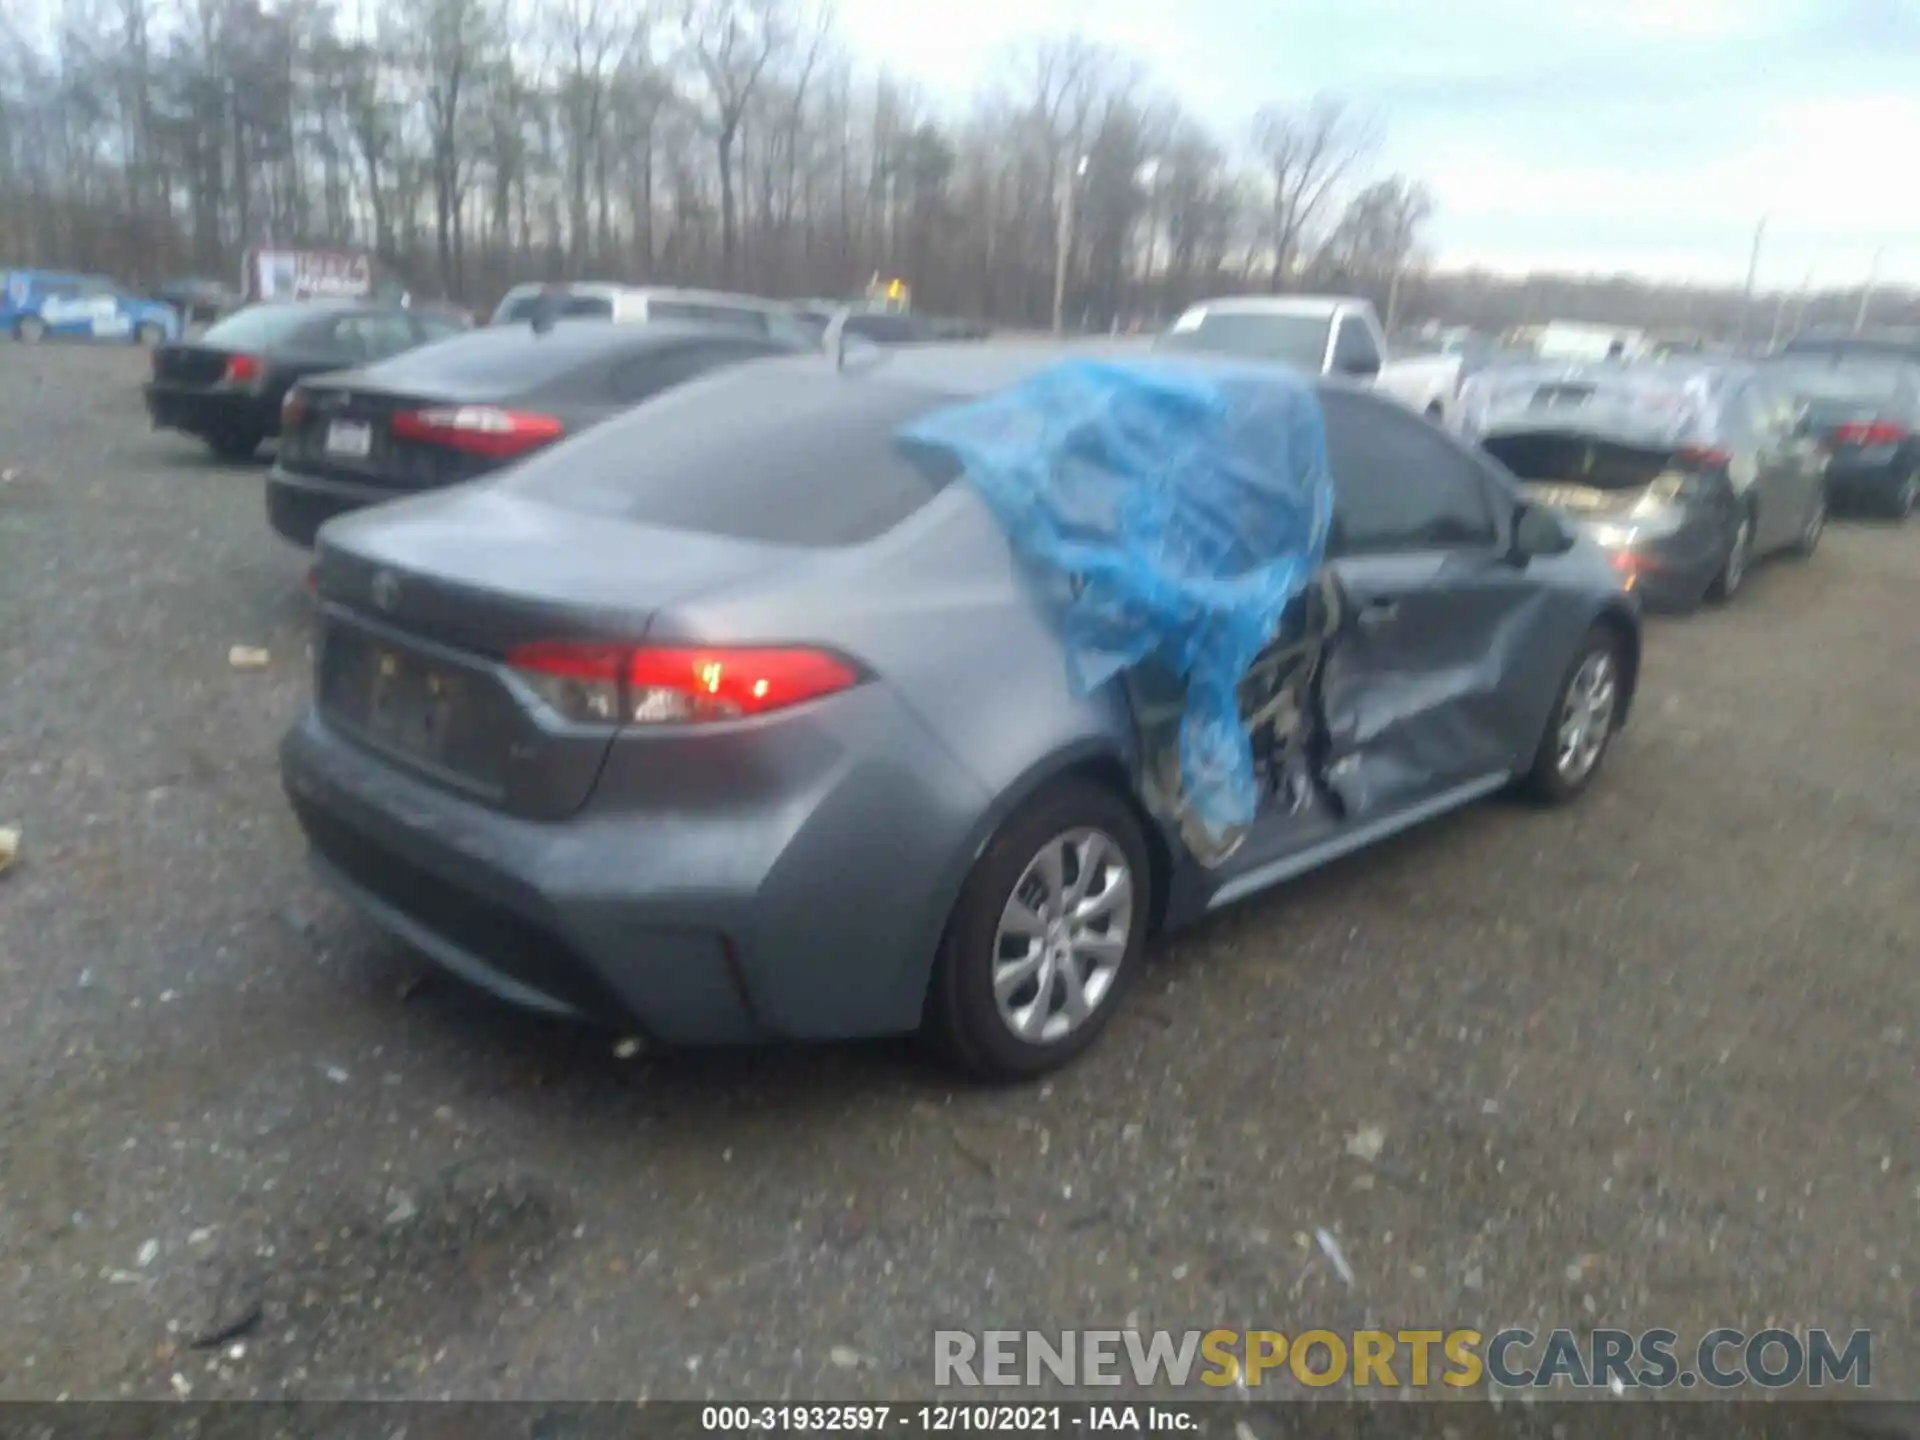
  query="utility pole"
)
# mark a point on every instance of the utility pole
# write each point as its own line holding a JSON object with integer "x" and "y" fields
{"x": 1866, "y": 292}
{"x": 1746, "y": 299}
{"x": 1799, "y": 311}
{"x": 1063, "y": 242}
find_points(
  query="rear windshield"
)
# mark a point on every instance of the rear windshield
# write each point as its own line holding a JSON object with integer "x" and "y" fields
{"x": 496, "y": 359}
{"x": 260, "y": 325}
{"x": 565, "y": 307}
{"x": 1296, "y": 340}
{"x": 780, "y": 458}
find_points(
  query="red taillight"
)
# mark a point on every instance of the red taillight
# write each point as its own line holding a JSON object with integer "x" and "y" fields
{"x": 242, "y": 369}
{"x": 478, "y": 429}
{"x": 1875, "y": 432}
{"x": 677, "y": 686}
{"x": 674, "y": 686}
{"x": 1706, "y": 457}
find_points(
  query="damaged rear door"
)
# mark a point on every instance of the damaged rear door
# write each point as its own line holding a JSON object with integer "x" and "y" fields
{"x": 1426, "y": 684}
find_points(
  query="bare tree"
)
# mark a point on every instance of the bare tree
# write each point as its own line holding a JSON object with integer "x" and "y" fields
{"x": 1307, "y": 151}
{"x": 732, "y": 44}
{"x": 475, "y": 143}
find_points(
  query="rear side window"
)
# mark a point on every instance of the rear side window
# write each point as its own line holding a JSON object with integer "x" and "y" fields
{"x": 1353, "y": 349}
{"x": 1399, "y": 483}
{"x": 777, "y": 457}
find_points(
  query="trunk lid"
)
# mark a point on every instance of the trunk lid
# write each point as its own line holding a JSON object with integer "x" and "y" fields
{"x": 422, "y": 601}
{"x": 1827, "y": 416}
{"x": 1586, "y": 474}
{"x": 189, "y": 365}
{"x": 345, "y": 432}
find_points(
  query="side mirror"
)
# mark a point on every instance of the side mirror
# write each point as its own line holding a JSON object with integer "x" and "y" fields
{"x": 1537, "y": 531}
{"x": 1360, "y": 367}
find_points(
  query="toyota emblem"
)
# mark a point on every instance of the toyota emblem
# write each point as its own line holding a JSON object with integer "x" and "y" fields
{"x": 386, "y": 590}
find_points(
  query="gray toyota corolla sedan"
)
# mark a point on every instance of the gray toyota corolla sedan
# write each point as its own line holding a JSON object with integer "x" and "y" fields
{"x": 735, "y": 719}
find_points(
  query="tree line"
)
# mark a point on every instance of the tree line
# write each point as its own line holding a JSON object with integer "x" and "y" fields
{"x": 732, "y": 143}
{"x": 473, "y": 144}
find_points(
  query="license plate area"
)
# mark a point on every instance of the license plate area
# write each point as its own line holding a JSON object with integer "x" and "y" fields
{"x": 411, "y": 705}
{"x": 349, "y": 439}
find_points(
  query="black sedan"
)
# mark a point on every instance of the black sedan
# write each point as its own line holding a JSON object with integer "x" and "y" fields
{"x": 472, "y": 405}
{"x": 226, "y": 387}
{"x": 1865, "y": 408}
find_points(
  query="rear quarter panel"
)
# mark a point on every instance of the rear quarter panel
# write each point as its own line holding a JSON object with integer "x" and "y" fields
{"x": 939, "y": 612}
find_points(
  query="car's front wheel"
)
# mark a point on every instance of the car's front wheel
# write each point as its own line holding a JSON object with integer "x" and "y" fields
{"x": 1047, "y": 934}
{"x": 1586, "y": 712}
{"x": 31, "y": 330}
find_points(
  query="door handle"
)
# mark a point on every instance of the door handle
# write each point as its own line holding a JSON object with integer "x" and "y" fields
{"x": 1377, "y": 612}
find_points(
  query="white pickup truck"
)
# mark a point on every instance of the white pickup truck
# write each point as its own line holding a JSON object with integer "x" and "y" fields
{"x": 1323, "y": 335}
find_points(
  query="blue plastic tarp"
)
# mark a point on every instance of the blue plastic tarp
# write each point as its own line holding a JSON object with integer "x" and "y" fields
{"x": 1179, "y": 508}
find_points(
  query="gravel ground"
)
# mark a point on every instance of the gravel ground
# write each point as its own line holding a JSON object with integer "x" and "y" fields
{"x": 1648, "y": 1061}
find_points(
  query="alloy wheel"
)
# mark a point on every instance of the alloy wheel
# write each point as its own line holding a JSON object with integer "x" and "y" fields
{"x": 1586, "y": 717}
{"x": 1062, "y": 936}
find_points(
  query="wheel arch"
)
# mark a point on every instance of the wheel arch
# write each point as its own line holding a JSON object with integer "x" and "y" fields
{"x": 1104, "y": 763}
{"x": 1625, "y": 627}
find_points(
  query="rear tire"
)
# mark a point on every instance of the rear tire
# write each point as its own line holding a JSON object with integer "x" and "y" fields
{"x": 235, "y": 445}
{"x": 1066, "y": 878}
{"x": 1733, "y": 569}
{"x": 30, "y": 331}
{"x": 1581, "y": 725}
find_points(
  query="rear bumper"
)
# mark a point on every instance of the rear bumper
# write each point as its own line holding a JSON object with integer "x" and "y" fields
{"x": 1671, "y": 572}
{"x": 1852, "y": 485}
{"x": 209, "y": 412}
{"x": 298, "y": 505}
{"x": 815, "y": 915}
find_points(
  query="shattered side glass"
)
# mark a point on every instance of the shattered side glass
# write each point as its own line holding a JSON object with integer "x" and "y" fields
{"x": 1174, "y": 511}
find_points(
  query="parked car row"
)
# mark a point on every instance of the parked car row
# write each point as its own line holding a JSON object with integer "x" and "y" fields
{"x": 661, "y": 681}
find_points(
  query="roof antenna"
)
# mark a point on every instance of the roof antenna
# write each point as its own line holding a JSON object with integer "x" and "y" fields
{"x": 834, "y": 342}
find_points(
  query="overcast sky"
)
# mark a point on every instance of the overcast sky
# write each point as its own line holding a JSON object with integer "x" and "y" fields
{"x": 1587, "y": 135}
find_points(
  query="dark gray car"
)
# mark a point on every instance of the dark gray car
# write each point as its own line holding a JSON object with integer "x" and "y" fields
{"x": 1686, "y": 474}
{"x": 735, "y": 719}
{"x": 471, "y": 405}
